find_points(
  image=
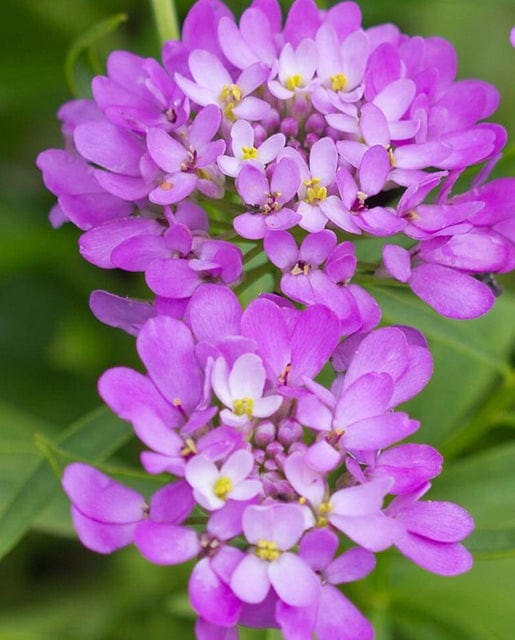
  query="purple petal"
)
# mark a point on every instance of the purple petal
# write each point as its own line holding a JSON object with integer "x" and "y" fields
{"x": 297, "y": 623}
{"x": 205, "y": 126}
{"x": 211, "y": 598}
{"x": 281, "y": 248}
{"x": 250, "y": 581}
{"x": 172, "y": 503}
{"x": 285, "y": 179}
{"x": 451, "y": 293}
{"x": 97, "y": 244}
{"x": 101, "y": 537}
{"x": 373, "y": 170}
{"x": 172, "y": 278}
{"x": 438, "y": 557}
{"x": 367, "y": 396}
{"x": 99, "y": 497}
{"x": 122, "y": 313}
{"x": 383, "y": 351}
{"x": 339, "y": 619}
{"x": 302, "y": 21}
{"x": 293, "y": 580}
{"x": 410, "y": 465}
{"x": 214, "y": 312}
{"x": 379, "y": 432}
{"x": 316, "y": 247}
{"x": 323, "y": 160}
{"x": 109, "y": 146}
{"x": 252, "y": 184}
{"x": 264, "y": 322}
{"x": 311, "y": 348}
{"x": 166, "y": 347}
{"x": 374, "y": 532}
{"x": 318, "y": 547}
{"x": 250, "y": 225}
{"x": 397, "y": 261}
{"x": 166, "y": 544}
{"x": 281, "y": 523}
{"x": 394, "y": 100}
{"x": 130, "y": 394}
{"x": 439, "y": 521}
{"x": 354, "y": 564}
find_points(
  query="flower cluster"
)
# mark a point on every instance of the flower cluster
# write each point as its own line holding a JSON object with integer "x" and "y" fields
{"x": 225, "y": 406}
{"x": 259, "y": 148}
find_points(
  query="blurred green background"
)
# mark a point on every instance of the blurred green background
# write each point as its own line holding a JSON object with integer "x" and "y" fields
{"x": 52, "y": 351}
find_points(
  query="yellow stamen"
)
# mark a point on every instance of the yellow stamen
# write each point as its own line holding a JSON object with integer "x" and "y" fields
{"x": 202, "y": 174}
{"x": 314, "y": 193}
{"x": 292, "y": 82}
{"x": 267, "y": 550}
{"x": 231, "y": 91}
{"x": 231, "y": 94}
{"x": 300, "y": 268}
{"x": 189, "y": 447}
{"x": 390, "y": 155}
{"x": 338, "y": 82}
{"x": 222, "y": 487}
{"x": 243, "y": 406}
{"x": 323, "y": 509}
{"x": 249, "y": 153}
{"x": 165, "y": 185}
{"x": 302, "y": 500}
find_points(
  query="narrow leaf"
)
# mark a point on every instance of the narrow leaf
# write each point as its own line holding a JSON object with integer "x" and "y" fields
{"x": 94, "y": 437}
{"x": 87, "y": 40}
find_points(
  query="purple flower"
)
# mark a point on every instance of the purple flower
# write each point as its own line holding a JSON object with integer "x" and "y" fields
{"x": 269, "y": 197}
{"x": 272, "y": 530}
{"x": 213, "y": 486}
{"x": 244, "y": 151}
{"x": 241, "y": 390}
{"x": 212, "y": 84}
{"x": 430, "y": 533}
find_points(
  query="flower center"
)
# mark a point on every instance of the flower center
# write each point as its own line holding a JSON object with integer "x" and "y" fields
{"x": 249, "y": 153}
{"x": 300, "y": 267}
{"x": 292, "y": 82}
{"x": 338, "y": 82}
{"x": 314, "y": 192}
{"x": 189, "y": 448}
{"x": 243, "y": 406}
{"x": 267, "y": 550}
{"x": 222, "y": 487}
{"x": 390, "y": 155}
{"x": 165, "y": 185}
{"x": 231, "y": 94}
{"x": 323, "y": 509}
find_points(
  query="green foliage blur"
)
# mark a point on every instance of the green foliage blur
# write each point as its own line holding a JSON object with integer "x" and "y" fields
{"x": 52, "y": 350}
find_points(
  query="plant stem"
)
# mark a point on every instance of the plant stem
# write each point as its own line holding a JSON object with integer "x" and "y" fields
{"x": 165, "y": 17}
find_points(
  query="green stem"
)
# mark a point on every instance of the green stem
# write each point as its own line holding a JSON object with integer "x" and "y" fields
{"x": 253, "y": 252}
{"x": 251, "y": 276}
{"x": 375, "y": 281}
{"x": 200, "y": 520}
{"x": 165, "y": 17}
{"x": 489, "y": 415}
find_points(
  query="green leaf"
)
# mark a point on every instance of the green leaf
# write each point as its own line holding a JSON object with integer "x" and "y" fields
{"x": 86, "y": 41}
{"x": 475, "y": 606}
{"x": 469, "y": 358}
{"x": 485, "y": 485}
{"x": 95, "y": 437}
{"x": 487, "y": 544}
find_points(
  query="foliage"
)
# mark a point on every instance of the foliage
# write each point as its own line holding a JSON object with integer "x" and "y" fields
{"x": 52, "y": 351}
